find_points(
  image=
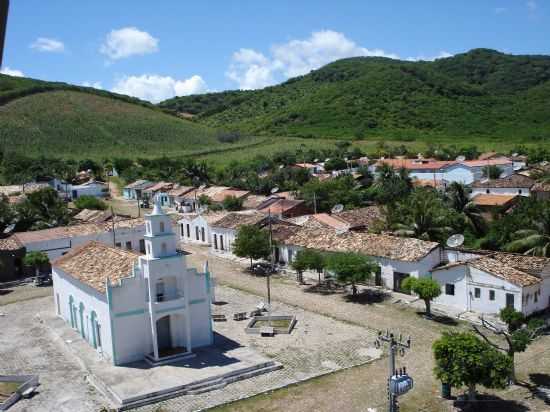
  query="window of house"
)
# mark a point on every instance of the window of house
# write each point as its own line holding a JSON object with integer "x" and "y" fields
{"x": 129, "y": 245}
{"x": 215, "y": 241}
{"x": 203, "y": 237}
{"x": 181, "y": 229}
{"x": 197, "y": 232}
{"x": 188, "y": 230}
{"x": 509, "y": 300}
{"x": 142, "y": 245}
{"x": 487, "y": 191}
{"x": 536, "y": 296}
{"x": 148, "y": 227}
{"x": 449, "y": 289}
{"x": 221, "y": 242}
{"x": 519, "y": 191}
{"x": 163, "y": 248}
{"x": 161, "y": 227}
{"x": 491, "y": 295}
{"x": 477, "y": 293}
{"x": 118, "y": 244}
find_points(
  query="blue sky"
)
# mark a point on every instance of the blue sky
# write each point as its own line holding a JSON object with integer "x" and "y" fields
{"x": 158, "y": 49}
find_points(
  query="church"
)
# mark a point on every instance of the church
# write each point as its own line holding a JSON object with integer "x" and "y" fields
{"x": 133, "y": 307}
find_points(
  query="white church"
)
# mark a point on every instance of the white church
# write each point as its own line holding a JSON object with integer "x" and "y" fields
{"x": 133, "y": 307}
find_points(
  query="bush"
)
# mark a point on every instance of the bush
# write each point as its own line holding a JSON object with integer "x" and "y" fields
{"x": 90, "y": 202}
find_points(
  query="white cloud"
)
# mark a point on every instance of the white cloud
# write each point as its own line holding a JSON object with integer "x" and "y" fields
{"x": 44, "y": 44}
{"x": 251, "y": 69}
{"x": 441, "y": 55}
{"x": 128, "y": 41}
{"x": 95, "y": 85}
{"x": 156, "y": 88}
{"x": 11, "y": 72}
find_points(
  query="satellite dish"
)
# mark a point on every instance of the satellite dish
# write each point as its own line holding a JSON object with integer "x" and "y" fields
{"x": 460, "y": 158}
{"x": 515, "y": 154}
{"x": 327, "y": 159}
{"x": 281, "y": 166}
{"x": 315, "y": 160}
{"x": 419, "y": 155}
{"x": 9, "y": 228}
{"x": 455, "y": 240}
{"x": 337, "y": 208}
{"x": 202, "y": 187}
{"x": 274, "y": 190}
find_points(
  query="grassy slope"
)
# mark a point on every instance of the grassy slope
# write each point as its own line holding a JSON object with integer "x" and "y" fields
{"x": 55, "y": 119}
{"x": 481, "y": 95}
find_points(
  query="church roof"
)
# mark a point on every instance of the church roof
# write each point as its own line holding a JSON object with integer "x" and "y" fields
{"x": 94, "y": 262}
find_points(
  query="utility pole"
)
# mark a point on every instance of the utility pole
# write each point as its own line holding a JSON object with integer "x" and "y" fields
{"x": 113, "y": 226}
{"x": 4, "y": 6}
{"x": 314, "y": 204}
{"x": 139, "y": 210}
{"x": 268, "y": 277}
{"x": 399, "y": 382}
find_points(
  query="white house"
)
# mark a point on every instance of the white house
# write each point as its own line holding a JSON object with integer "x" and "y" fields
{"x": 224, "y": 231}
{"x": 508, "y": 186}
{"x": 132, "y": 307}
{"x": 195, "y": 227}
{"x": 486, "y": 284}
{"x": 134, "y": 190}
{"x": 127, "y": 234}
{"x": 398, "y": 257}
{"x": 91, "y": 188}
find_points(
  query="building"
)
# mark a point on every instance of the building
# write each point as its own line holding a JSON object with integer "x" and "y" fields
{"x": 284, "y": 208}
{"x": 509, "y": 186}
{"x": 224, "y": 231}
{"x": 175, "y": 197}
{"x": 541, "y": 190}
{"x": 90, "y": 188}
{"x": 127, "y": 234}
{"x": 134, "y": 191}
{"x": 465, "y": 172}
{"x": 398, "y": 257}
{"x": 486, "y": 284}
{"x": 196, "y": 227}
{"x": 160, "y": 189}
{"x": 11, "y": 258}
{"x": 492, "y": 205}
{"x": 132, "y": 307}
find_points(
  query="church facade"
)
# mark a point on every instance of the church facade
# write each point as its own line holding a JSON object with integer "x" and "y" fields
{"x": 132, "y": 307}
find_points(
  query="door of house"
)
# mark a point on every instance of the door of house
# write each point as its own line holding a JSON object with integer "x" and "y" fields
{"x": 203, "y": 237}
{"x": 164, "y": 335}
{"x": 277, "y": 254}
{"x": 378, "y": 279}
{"x": 215, "y": 241}
{"x": 398, "y": 278}
{"x": 75, "y": 194}
{"x": 509, "y": 300}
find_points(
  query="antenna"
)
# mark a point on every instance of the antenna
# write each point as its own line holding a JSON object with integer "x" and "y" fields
{"x": 337, "y": 208}
{"x": 9, "y": 228}
{"x": 274, "y": 190}
{"x": 455, "y": 240}
{"x": 460, "y": 158}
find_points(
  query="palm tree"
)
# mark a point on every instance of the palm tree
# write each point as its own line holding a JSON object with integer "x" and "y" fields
{"x": 533, "y": 241}
{"x": 423, "y": 216}
{"x": 459, "y": 200}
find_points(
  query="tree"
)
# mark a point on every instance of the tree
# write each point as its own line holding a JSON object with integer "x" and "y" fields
{"x": 6, "y": 213}
{"x": 90, "y": 202}
{"x": 427, "y": 289}
{"x": 534, "y": 241}
{"x": 300, "y": 263}
{"x": 308, "y": 259}
{"x": 459, "y": 200}
{"x": 232, "y": 203}
{"x": 422, "y": 215}
{"x": 390, "y": 184}
{"x": 336, "y": 164}
{"x": 462, "y": 359}
{"x": 35, "y": 260}
{"x": 492, "y": 172}
{"x": 331, "y": 192}
{"x": 252, "y": 242}
{"x": 518, "y": 336}
{"x": 351, "y": 268}
{"x": 40, "y": 210}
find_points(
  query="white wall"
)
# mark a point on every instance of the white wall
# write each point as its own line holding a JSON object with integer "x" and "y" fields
{"x": 199, "y": 224}
{"x": 94, "y": 189}
{"x": 65, "y": 286}
{"x": 228, "y": 235}
{"x": 511, "y": 191}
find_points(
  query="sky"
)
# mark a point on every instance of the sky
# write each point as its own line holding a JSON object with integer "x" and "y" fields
{"x": 155, "y": 50}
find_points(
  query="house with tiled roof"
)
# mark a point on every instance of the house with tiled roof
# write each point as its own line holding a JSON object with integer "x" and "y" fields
{"x": 159, "y": 189}
{"x": 134, "y": 190}
{"x": 489, "y": 282}
{"x": 131, "y": 306}
{"x": 224, "y": 231}
{"x": 512, "y": 185}
{"x": 56, "y": 241}
{"x": 284, "y": 208}
{"x": 12, "y": 252}
{"x": 541, "y": 190}
{"x": 196, "y": 227}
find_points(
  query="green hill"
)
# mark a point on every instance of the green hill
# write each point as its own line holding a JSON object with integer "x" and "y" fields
{"x": 479, "y": 95}
{"x": 57, "y": 119}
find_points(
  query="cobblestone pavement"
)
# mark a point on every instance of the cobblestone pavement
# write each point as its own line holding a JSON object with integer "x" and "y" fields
{"x": 365, "y": 386}
{"x": 23, "y": 292}
{"x": 26, "y": 347}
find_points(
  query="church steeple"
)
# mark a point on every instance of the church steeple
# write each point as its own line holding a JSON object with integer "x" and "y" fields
{"x": 160, "y": 240}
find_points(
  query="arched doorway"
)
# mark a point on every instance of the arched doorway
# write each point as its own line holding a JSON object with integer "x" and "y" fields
{"x": 164, "y": 334}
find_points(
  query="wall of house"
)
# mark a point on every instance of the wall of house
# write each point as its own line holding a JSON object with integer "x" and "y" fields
{"x": 457, "y": 276}
{"x": 65, "y": 286}
{"x": 510, "y": 191}
{"x": 55, "y": 248}
{"x": 459, "y": 173}
{"x": 456, "y": 255}
{"x": 196, "y": 226}
{"x": 199, "y": 308}
{"x": 228, "y": 235}
{"x": 97, "y": 190}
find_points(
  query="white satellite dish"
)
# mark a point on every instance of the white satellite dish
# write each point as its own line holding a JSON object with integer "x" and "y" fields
{"x": 460, "y": 158}
{"x": 337, "y": 208}
{"x": 274, "y": 190}
{"x": 515, "y": 154}
{"x": 281, "y": 166}
{"x": 455, "y": 240}
{"x": 316, "y": 160}
{"x": 202, "y": 187}
{"x": 9, "y": 228}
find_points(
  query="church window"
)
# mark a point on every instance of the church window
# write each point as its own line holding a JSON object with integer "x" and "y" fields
{"x": 161, "y": 227}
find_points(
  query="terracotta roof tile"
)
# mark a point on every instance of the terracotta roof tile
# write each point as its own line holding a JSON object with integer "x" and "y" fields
{"x": 504, "y": 271}
{"x": 93, "y": 263}
{"x": 234, "y": 220}
{"x": 492, "y": 200}
{"x": 362, "y": 217}
{"x": 10, "y": 243}
{"x": 507, "y": 182}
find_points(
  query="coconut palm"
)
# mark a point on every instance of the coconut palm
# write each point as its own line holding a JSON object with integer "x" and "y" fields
{"x": 458, "y": 198}
{"x": 534, "y": 241}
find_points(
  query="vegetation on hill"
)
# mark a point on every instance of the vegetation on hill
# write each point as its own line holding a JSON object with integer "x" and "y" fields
{"x": 482, "y": 93}
{"x": 56, "y": 119}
